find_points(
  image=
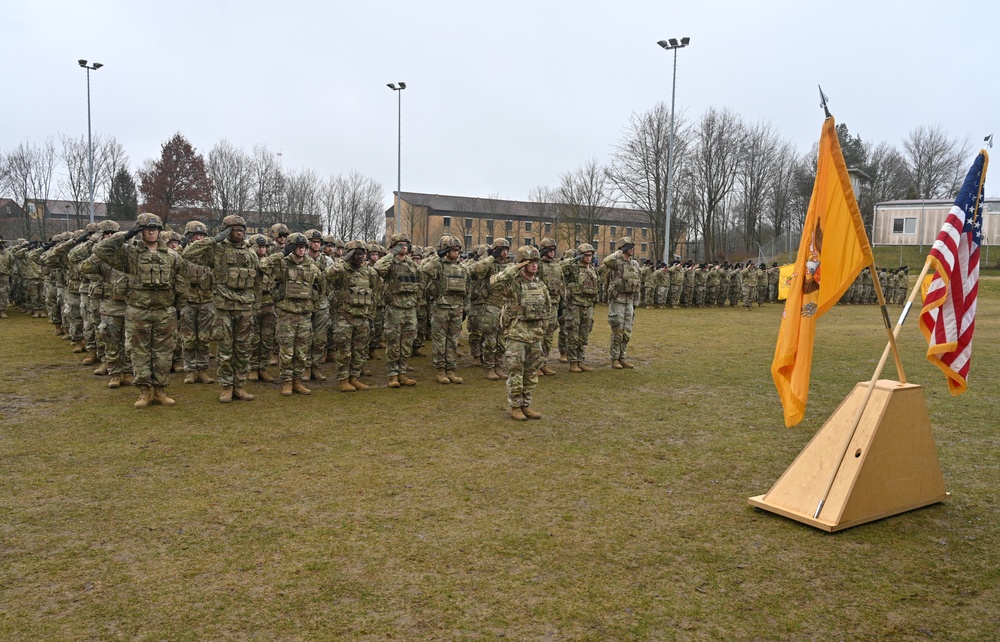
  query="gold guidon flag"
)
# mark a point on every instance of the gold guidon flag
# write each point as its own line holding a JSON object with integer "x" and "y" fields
{"x": 833, "y": 249}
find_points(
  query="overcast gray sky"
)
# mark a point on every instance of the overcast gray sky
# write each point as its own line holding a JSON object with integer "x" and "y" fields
{"x": 502, "y": 96}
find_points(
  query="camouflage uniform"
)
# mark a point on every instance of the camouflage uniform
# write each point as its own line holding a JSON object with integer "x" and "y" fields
{"x": 6, "y": 268}
{"x": 111, "y": 330}
{"x": 295, "y": 289}
{"x": 551, "y": 273}
{"x": 478, "y": 289}
{"x": 622, "y": 289}
{"x": 578, "y": 312}
{"x": 676, "y": 273}
{"x": 401, "y": 284}
{"x": 357, "y": 283}
{"x": 57, "y": 258}
{"x": 761, "y": 284}
{"x": 197, "y": 319}
{"x": 712, "y": 280}
{"x": 493, "y": 342}
{"x": 447, "y": 286}
{"x": 700, "y": 283}
{"x": 525, "y": 314}
{"x": 262, "y": 344}
{"x": 749, "y": 281}
{"x": 661, "y": 280}
{"x": 91, "y": 292}
{"x": 157, "y": 286}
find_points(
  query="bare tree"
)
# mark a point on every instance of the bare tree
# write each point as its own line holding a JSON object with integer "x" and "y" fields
{"x": 302, "y": 205}
{"x": 889, "y": 179}
{"x": 758, "y": 171}
{"x": 267, "y": 185}
{"x": 232, "y": 172}
{"x": 546, "y": 210}
{"x": 74, "y": 185}
{"x": 640, "y": 165}
{"x": 715, "y": 162}
{"x": 585, "y": 196}
{"x": 28, "y": 171}
{"x": 935, "y": 161}
{"x": 352, "y": 207}
{"x": 109, "y": 159}
{"x": 781, "y": 201}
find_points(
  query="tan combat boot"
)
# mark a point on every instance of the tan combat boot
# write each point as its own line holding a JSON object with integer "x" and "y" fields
{"x": 252, "y": 375}
{"x": 115, "y": 381}
{"x": 307, "y": 374}
{"x": 273, "y": 361}
{"x": 575, "y": 367}
{"x": 563, "y": 359}
{"x": 286, "y": 388}
{"x": 91, "y": 358}
{"x": 491, "y": 374}
{"x": 345, "y": 386}
{"x": 625, "y": 364}
{"x": 102, "y": 369}
{"x": 530, "y": 414}
{"x": 406, "y": 381}
{"x": 227, "y": 394}
{"x": 145, "y": 397}
{"x": 298, "y": 387}
{"x": 517, "y": 414}
{"x": 616, "y": 365}
{"x": 365, "y": 371}
{"x": 584, "y": 367}
{"x": 127, "y": 379}
{"x": 317, "y": 375}
{"x": 204, "y": 378}
{"x": 79, "y": 346}
{"x": 453, "y": 376}
{"x": 394, "y": 381}
{"x": 161, "y": 397}
{"x": 241, "y": 394}
{"x": 354, "y": 381}
{"x": 191, "y": 377}
{"x": 264, "y": 376}
{"x": 442, "y": 377}
{"x": 545, "y": 370}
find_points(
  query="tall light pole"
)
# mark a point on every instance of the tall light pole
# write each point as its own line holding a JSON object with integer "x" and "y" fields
{"x": 399, "y": 149}
{"x": 90, "y": 145}
{"x": 669, "y": 45}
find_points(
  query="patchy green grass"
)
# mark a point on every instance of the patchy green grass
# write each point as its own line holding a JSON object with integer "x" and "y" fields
{"x": 426, "y": 513}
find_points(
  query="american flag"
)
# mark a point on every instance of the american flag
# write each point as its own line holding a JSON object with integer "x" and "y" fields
{"x": 948, "y": 317}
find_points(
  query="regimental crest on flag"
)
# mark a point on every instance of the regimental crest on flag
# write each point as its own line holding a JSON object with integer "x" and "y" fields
{"x": 948, "y": 317}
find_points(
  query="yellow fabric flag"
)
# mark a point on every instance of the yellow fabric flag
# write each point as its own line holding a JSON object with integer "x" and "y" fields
{"x": 833, "y": 250}
{"x": 785, "y": 274}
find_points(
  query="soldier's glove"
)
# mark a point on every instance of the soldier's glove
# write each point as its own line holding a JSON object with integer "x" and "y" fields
{"x": 49, "y": 245}
{"x": 288, "y": 249}
{"x": 131, "y": 233}
{"x": 80, "y": 239}
{"x": 397, "y": 248}
{"x": 222, "y": 236}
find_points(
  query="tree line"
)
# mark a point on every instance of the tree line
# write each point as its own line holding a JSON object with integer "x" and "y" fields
{"x": 181, "y": 182}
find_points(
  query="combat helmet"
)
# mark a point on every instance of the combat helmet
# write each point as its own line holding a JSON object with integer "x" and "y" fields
{"x": 279, "y": 229}
{"x": 625, "y": 242}
{"x": 108, "y": 227}
{"x": 91, "y": 227}
{"x": 398, "y": 237}
{"x": 547, "y": 244}
{"x": 500, "y": 242}
{"x": 314, "y": 235}
{"x": 583, "y": 248}
{"x": 449, "y": 243}
{"x": 234, "y": 220}
{"x": 147, "y": 219}
{"x": 195, "y": 227}
{"x": 298, "y": 239}
{"x": 258, "y": 239}
{"x": 527, "y": 253}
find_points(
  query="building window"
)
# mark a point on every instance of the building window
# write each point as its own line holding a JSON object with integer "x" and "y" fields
{"x": 644, "y": 230}
{"x": 468, "y": 223}
{"x": 447, "y": 221}
{"x": 529, "y": 240}
{"x": 628, "y": 231}
{"x": 468, "y": 242}
{"x": 904, "y": 226}
{"x": 489, "y": 228}
{"x": 527, "y": 226}
{"x": 614, "y": 230}
{"x": 611, "y": 247}
{"x": 509, "y": 225}
{"x": 576, "y": 230}
{"x": 548, "y": 228}
{"x": 489, "y": 239}
{"x": 642, "y": 248}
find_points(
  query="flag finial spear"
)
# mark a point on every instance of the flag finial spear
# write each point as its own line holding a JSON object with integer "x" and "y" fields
{"x": 989, "y": 141}
{"x": 822, "y": 102}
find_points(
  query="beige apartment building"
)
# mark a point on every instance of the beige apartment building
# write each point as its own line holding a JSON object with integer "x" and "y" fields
{"x": 917, "y": 222}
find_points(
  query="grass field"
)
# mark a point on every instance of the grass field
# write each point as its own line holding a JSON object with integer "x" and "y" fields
{"x": 426, "y": 513}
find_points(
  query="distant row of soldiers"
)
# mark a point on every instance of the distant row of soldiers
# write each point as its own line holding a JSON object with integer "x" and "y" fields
{"x": 708, "y": 284}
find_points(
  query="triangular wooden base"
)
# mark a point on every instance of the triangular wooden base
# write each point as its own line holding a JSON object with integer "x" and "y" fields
{"x": 891, "y": 465}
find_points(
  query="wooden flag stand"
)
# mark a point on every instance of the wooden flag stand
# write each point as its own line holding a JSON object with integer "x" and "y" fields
{"x": 891, "y": 465}
{"x": 875, "y": 455}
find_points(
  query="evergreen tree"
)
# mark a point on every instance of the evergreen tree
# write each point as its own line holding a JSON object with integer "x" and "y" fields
{"x": 123, "y": 199}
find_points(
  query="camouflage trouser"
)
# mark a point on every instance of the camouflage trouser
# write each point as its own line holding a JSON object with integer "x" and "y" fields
{"x": 522, "y": 361}
{"x": 620, "y": 318}
{"x": 662, "y": 294}
{"x": 749, "y": 294}
{"x": 352, "y": 345}
{"x": 232, "y": 331}
{"x": 476, "y": 331}
{"x": 675, "y": 295}
{"x": 699, "y": 295}
{"x": 686, "y": 296}
{"x": 294, "y": 336}
{"x": 91, "y": 319}
{"x": 446, "y": 327}
{"x": 734, "y": 295}
{"x": 71, "y": 315}
{"x": 551, "y": 325}
{"x": 649, "y": 296}
{"x": 562, "y": 329}
{"x": 400, "y": 329}
{"x": 53, "y": 303}
{"x": 112, "y": 334}
{"x": 262, "y": 342}
{"x": 376, "y": 327}
{"x": 761, "y": 294}
{"x": 195, "y": 330}
{"x": 493, "y": 342}
{"x": 423, "y": 326}
{"x": 578, "y": 321}
{"x": 331, "y": 331}
{"x": 4, "y": 292}
{"x": 321, "y": 325}
{"x": 711, "y": 294}
{"x": 772, "y": 292}
{"x": 150, "y": 335}
{"x": 33, "y": 296}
